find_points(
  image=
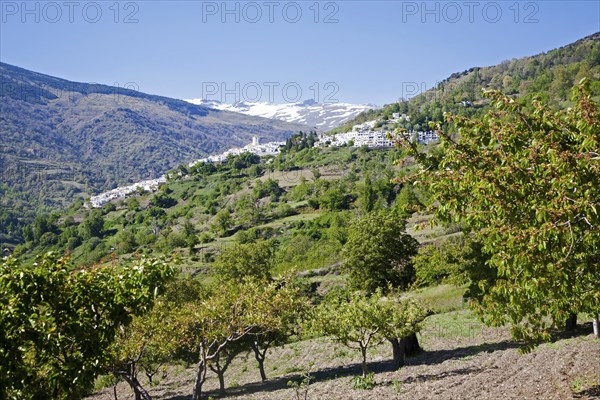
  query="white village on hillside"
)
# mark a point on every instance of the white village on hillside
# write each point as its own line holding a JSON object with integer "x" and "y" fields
{"x": 361, "y": 135}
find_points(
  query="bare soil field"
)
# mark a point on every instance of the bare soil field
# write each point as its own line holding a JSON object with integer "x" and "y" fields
{"x": 464, "y": 361}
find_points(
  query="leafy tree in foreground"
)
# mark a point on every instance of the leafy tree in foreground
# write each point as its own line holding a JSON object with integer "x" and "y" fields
{"x": 282, "y": 302}
{"x": 378, "y": 252}
{"x": 58, "y": 321}
{"x": 284, "y": 305}
{"x": 526, "y": 183}
{"x": 226, "y": 315}
{"x": 150, "y": 341}
{"x": 457, "y": 260}
{"x": 361, "y": 321}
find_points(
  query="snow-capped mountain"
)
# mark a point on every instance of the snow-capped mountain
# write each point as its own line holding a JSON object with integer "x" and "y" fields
{"x": 319, "y": 116}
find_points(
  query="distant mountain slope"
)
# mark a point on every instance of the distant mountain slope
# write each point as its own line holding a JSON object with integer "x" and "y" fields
{"x": 320, "y": 116}
{"x": 549, "y": 76}
{"x": 62, "y": 139}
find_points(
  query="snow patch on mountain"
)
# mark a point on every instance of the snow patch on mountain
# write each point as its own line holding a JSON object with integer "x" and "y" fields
{"x": 319, "y": 116}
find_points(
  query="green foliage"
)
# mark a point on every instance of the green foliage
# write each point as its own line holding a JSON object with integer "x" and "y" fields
{"x": 300, "y": 192}
{"x": 453, "y": 261}
{"x": 378, "y": 252}
{"x": 242, "y": 261}
{"x": 300, "y": 141}
{"x": 364, "y": 382}
{"x": 58, "y": 321}
{"x": 126, "y": 242}
{"x": 242, "y": 161}
{"x": 526, "y": 184}
{"x": 163, "y": 200}
{"x": 152, "y": 339}
{"x": 222, "y": 222}
{"x": 230, "y": 312}
{"x": 92, "y": 226}
{"x": 267, "y": 188}
{"x": 334, "y": 199}
{"x": 356, "y": 319}
{"x": 407, "y": 201}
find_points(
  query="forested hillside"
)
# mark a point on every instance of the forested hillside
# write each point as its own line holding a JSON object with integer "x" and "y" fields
{"x": 300, "y": 201}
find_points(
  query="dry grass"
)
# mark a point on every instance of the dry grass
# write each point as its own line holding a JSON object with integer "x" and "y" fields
{"x": 462, "y": 360}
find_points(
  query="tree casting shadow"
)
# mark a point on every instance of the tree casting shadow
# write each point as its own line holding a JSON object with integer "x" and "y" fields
{"x": 325, "y": 374}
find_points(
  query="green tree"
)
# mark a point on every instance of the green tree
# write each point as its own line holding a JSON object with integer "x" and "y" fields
{"x": 369, "y": 196}
{"x": 227, "y": 315}
{"x": 334, "y": 199}
{"x": 242, "y": 261}
{"x": 133, "y": 204}
{"x": 378, "y": 252}
{"x": 125, "y": 241}
{"x": 284, "y": 304}
{"x": 222, "y": 223}
{"x": 407, "y": 201}
{"x": 457, "y": 260}
{"x": 363, "y": 321}
{"x": 58, "y": 321}
{"x": 145, "y": 344}
{"x": 93, "y": 225}
{"x": 163, "y": 200}
{"x": 526, "y": 183}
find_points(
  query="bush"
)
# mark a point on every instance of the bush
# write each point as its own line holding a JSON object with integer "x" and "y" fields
{"x": 364, "y": 383}
{"x": 283, "y": 210}
{"x": 205, "y": 237}
{"x": 163, "y": 201}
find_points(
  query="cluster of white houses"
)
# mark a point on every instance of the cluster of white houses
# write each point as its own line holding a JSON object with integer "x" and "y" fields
{"x": 366, "y": 135}
{"x": 361, "y": 135}
{"x": 122, "y": 192}
{"x": 265, "y": 149}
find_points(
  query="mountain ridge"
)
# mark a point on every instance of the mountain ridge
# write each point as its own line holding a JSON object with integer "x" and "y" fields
{"x": 63, "y": 140}
{"x": 318, "y": 116}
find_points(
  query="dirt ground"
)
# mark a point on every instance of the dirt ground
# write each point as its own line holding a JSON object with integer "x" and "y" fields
{"x": 483, "y": 364}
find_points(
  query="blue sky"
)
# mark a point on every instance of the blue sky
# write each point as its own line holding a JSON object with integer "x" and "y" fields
{"x": 352, "y": 51}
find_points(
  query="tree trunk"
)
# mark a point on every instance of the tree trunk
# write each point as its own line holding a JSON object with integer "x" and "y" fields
{"x": 261, "y": 368}
{"x": 595, "y": 324}
{"x": 260, "y": 358}
{"x": 571, "y": 323}
{"x": 398, "y": 352}
{"x": 138, "y": 390}
{"x": 199, "y": 381}
{"x": 221, "y": 376}
{"x": 363, "y": 351}
{"x": 411, "y": 345}
{"x": 220, "y": 371}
